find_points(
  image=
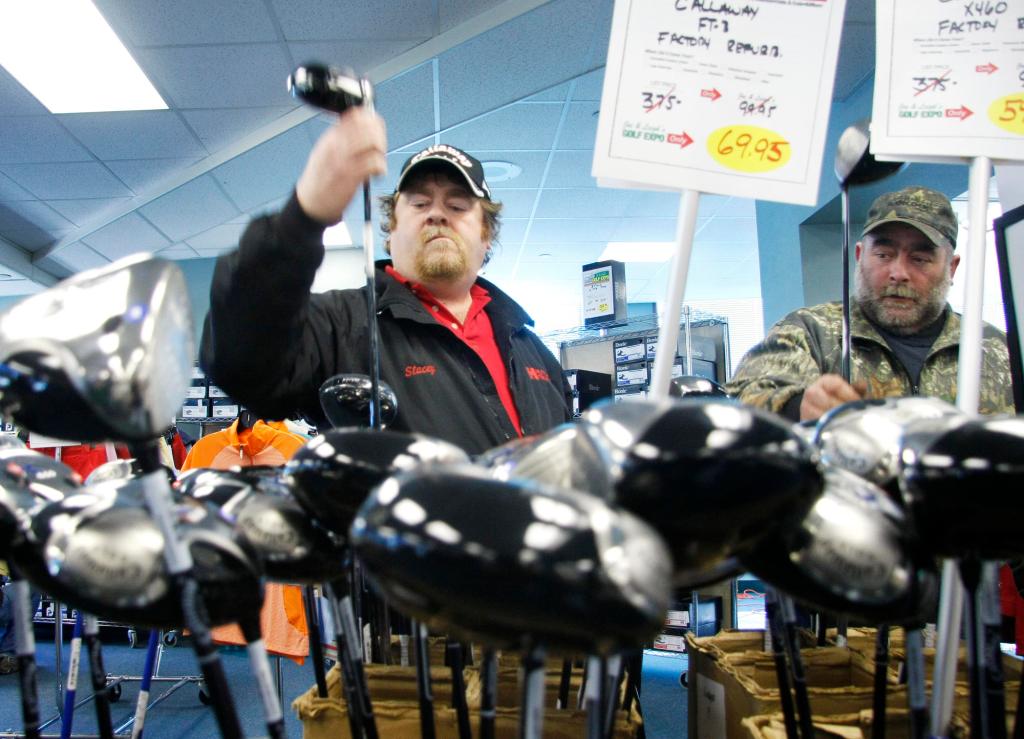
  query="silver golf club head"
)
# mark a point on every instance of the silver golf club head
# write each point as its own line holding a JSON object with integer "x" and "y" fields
{"x": 559, "y": 567}
{"x": 104, "y": 355}
{"x": 345, "y": 400}
{"x": 852, "y": 553}
{"x": 695, "y": 386}
{"x": 329, "y": 88}
{"x": 865, "y": 436}
{"x": 854, "y": 163}
{"x": 28, "y": 482}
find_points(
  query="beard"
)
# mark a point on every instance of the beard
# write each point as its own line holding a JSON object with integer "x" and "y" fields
{"x": 903, "y": 321}
{"x": 440, "y": 260}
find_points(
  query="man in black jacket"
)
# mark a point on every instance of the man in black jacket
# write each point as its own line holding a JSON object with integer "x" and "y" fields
{"x": 457, "y": 351}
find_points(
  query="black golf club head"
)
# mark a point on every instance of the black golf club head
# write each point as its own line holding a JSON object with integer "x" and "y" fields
{"x": 567, "y": 457}
{"x": 711, "y": 475}
{"x": 104, "y": 554}
{"x": 854, "y": 163}
{"x": 695, "y": 386}
{"x": 332, "y": 474}
{"x": 557, "y": 567}
{"x": 103, "y": 355}
{"x": 290, "y": 546}
{"x": 28, "y": 481}
{"x": 961, "y": 480}
{"x": 326, "y": 87}
{"x": 345, "y": 400}
{"x": 865, "y": 436}
{"x": 853, "y": 554}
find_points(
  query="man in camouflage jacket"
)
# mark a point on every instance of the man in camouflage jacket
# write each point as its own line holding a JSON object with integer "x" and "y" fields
{"x": 899, "y": 318}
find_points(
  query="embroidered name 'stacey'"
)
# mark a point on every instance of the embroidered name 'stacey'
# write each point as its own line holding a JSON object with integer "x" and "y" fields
{"x": 412, "y": 370}
{"x": 537, "y": 374}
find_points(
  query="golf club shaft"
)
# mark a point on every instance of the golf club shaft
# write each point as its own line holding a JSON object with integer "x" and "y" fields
{"x": 426, "y": 698}
{"x": 595, "y": 696}
{"x": 781, "y": 669}
{"x": 25, "y": 649}
{"x": 142, "y": 703}
{"x": 260, "y": 665}
{"x": 990, "y": 621}
{"x": 371, "y": 283}
{"x": 844, "y": 194}
{"x": 488, "y": 693}
{"x": 455, "y": 661}
{"x": 881, "y": 674}
{"x": 67, "y": 716}
{"x": 91, "y": 638}
{"x": 348, "y": 673}
{"x": 316, "y": 646}
{"x": 917, "y": 699}
{"x": 970, "y": 574}
{"x": 531, "y": 719}
{"x": 564, "y": 682}
{"x": 796, "y": 666}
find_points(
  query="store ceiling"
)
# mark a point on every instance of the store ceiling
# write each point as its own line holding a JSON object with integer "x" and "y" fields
{"x": 517, "y": 81}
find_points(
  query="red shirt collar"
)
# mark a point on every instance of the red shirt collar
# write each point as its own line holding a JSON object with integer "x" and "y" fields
{"x": 421, "y": 292}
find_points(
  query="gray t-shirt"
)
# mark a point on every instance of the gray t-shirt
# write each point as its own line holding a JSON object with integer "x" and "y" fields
{"x": 912, "y": 350}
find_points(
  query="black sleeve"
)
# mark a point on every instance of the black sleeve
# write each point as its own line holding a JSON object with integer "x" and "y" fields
{"x": 261, "y": 342}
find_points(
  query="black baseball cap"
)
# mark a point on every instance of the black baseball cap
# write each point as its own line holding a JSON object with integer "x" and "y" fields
{"x": 469, "y": 167}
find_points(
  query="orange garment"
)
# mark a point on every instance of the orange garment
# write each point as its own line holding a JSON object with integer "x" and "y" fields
{"x": 282, "y": 618}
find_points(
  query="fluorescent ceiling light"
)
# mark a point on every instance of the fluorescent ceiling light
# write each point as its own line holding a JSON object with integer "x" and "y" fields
{"x": 638, "y": 251}
{"x": 337, "y": 235}
{"x": 65, "y": 54}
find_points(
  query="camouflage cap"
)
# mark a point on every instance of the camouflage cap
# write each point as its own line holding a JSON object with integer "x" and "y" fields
{"x": 927, "y": 210}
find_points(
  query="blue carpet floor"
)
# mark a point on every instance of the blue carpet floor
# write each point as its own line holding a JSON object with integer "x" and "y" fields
{"x": 662, "y": 697}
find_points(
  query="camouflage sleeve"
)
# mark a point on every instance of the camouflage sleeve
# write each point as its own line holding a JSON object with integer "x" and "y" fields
{"x": 777, "y": 369}
{"x": 996, "y": 390}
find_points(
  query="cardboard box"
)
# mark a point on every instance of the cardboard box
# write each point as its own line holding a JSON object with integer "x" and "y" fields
{"x": 849, "y": 726}
{"x": 730, "y": 679}
{"x": 195, "y": 408}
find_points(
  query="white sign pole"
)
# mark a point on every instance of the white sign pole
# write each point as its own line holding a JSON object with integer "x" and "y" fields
{"x": 951, "y": 602}
{"x": 668, "y": 335}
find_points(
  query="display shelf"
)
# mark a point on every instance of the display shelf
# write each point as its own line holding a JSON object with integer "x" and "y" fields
{"x": 636, "y": 326}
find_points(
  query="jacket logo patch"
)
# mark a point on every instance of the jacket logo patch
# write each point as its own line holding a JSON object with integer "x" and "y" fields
{"x": 537, "y": 374}
{"x": 411, "y": 370}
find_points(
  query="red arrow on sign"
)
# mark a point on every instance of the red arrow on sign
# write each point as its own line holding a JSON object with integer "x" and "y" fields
{"x": 683, "y": 139}
{"x": 986, "y": 68}
{"x": 713, "y": 94}
{"x": 963, "y": 112}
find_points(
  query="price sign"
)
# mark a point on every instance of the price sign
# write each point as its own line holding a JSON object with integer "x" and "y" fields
{"x": 719, "y": 96}
{"x": 949, "y": 79}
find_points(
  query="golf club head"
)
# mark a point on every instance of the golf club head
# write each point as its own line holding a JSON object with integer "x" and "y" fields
{"x": 961, "y": 481}
{"x": 711, "y": 475}
{"x": 332, "y": 474}
{"x": 104, "y": 554}
{"x": 326, "y": 87}
{"x": 290, "y": 546}
{"x": 345, "y": 400}
{"x": 854, "y": 163}
{"x": 865, "y": 436}
{"x": 567, "y": 457}
{"x": 103, "y": 355}
{"x": 28, "y": 481}
{"x": 695, "y": 386}
{"x": 852, "y": 554}
{"x": 557, "y": 567}
{"x": 10, "y": 441}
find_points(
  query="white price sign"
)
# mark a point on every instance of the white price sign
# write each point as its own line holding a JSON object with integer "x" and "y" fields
{"x": 719, "y": 96}
{"x": 949, "y": 79}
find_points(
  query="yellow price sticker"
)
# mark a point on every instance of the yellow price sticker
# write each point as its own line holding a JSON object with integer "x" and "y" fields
{"x": 748, "y": 148}
{"x": 1008, "y": 112}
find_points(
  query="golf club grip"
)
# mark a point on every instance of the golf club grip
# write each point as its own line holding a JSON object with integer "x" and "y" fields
{"x": 881, "y": 674}
{"x": 209, "y": 660}
{"x": 316, "y": 646}
{"x": 99, "y": 681}
{"x": 781, "y": 669}
{"x": 796, "y": 666}
{"x": 488, "y": 693}
{"x": 362, "y": 689}
{"x": 917, "y": 699}
{"x": 845, "y": 362}
{"x": 426, "y": 698}
{"x": 455, "y": 660}
{"x": 29, "y": 695}
{"x": 563, "y": 683}
{"x": 348, "y": 686}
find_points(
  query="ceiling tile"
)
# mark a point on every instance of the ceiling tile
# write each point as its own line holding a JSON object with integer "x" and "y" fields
{"x": 9, "y": 190}
{"x": 219, "y": 128}
{"x": 14, "y": 288}
{"x": 179, "y": 251}
{"x": 37, "y": 139}
{"x": 361, "y": 56}
{"x": 78, "y": 257}
{"x": 454, "y": 12}
{"x": 589, "y": 86}
{"x": 239, "y": 75}
{"x": 406, "y": 103}
{"x": 513, "y": 230}
{"x": 555, "y": 94}
{"x": 66, "y": 180}
{"x": 33, "y": 214}
{"x": 520, "y": 126}
{"x": 129, "y": 234}
{"x": 213, "y": 253}
{"x": 532, "y": 164}
{"x": 80, "y": 212}
{"x": 189, "y": 209}
{"x": 579, "y": 129}
{"x": 566, "y": 231}
{"x": 143, "y": 175}
{"x": 606, "y": 203}
{"x": 138, "y": 134}
{"x": 218, "y": 238}
{"x": 535, "y": 53}
{"x": 570, "y": 169}
{"x": 723, "y": 228}
{"x": 15, "y": 99}
{"x": 268, "y": 171}
{"x": 160, "y": 23}
{"x": 316, "y": 20}
{"x": 515, "y": 203}
{"x": 856, "y": 58}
